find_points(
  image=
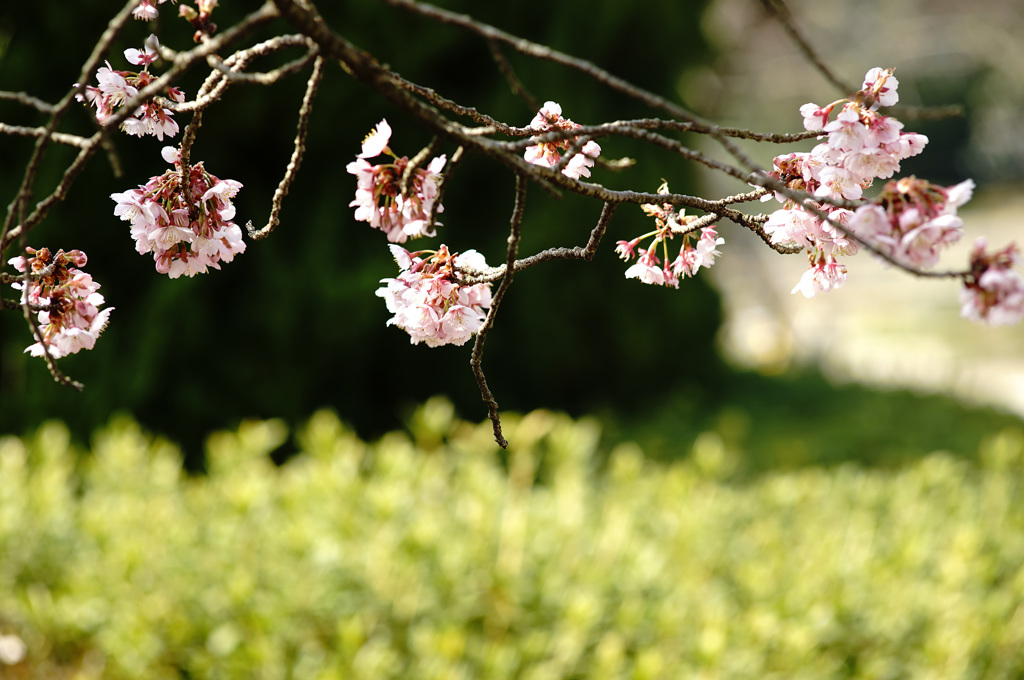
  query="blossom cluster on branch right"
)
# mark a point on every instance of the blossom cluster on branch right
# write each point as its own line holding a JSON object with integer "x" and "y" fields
{"x": 909, "y": 222}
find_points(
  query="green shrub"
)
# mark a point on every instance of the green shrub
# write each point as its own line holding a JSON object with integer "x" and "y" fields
{"x": 432, "y": 555}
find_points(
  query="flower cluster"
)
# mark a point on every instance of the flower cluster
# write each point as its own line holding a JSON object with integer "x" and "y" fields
{"x": 549, "y": 119}
{"x": 117, "y": 87}
{"x": 394, "y": 197}
{"x": 648, "y": 268}
{"x": 187, "y": 227}
{"x": 911, "y": 220}
{"x": 860, "y": 145}
{"x": 146, "y": 9}
{"x": 428, "y": 302}
{"x": 993, "y": 293}
{"x": 69, "y": 318}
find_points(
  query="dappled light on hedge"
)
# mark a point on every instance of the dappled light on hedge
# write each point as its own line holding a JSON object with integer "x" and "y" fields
{"x": 432, "y": 553}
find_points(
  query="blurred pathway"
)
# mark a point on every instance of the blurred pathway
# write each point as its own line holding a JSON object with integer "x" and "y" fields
{"x": 883, "y": 327}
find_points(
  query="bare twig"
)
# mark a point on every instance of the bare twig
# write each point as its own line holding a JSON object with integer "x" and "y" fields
{"x": 780, "y": 11}
{"x": 27, "y": 100}
{"x": 511, "y": 78}
{"x": 442, "y": 185}
{"x": 586, "y": 252}
{"x": 476, "y": 358}
{"x": 296, "y": 160}
{"x": 59, "y": 137}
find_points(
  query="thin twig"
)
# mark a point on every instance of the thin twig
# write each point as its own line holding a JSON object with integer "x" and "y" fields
{"x": 511, "y": 78}
{"x": 586, "y": 252}
{"x": 59, "y": 137}
{"x": 476, "y": 357}
{"x": 431, "y": 95}
{"x": 780, "y": 11}
{"x": 296, "y": 160}
{"x": 442, "y": 185}
{"x": 533, "y": 49}
{"x": 27, "y": 100}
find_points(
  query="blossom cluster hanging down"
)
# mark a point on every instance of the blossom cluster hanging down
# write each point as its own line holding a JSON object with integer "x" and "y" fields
{"x": 428, "y": 302}
{"x": 993, "y": 293}
{"x": 549, "y": 119}
{"x": 380, "y": 198}
{"x": 187, "y": 231}
{"x": 146, "y": 10}
{"x": 649, "y": 268}
{"x": 71, "y": 320}
{"x": 117, "y": 87}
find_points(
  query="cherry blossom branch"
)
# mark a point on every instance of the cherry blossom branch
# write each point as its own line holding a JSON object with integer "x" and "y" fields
{"x": 51, "y": 363}
{"x": 58, "y": 137}
{"x": 402, "y": 196}
{"x": 58, "y": 194}
{"x": 366, "y": 69}
{"x": 779, "y": 10}
{"x": 181, "y": 62}
{"x": 533, "y": 49}
{"x": 24, "y": 192}
{"x": 639, "y": 125}
{"x": 296, "y": 159}
{"x": 511, "y": 78}
{"x": 27, "y": 100}
{"x": 808, "y": 202}
{"x": 230, "y": 70}
{"x": 235, "y": 75}
{"x": 442, "y": 185}
{"x": 476, "y": 357}
{"x": 585, "y": 253}
{"x": 431, "y": 95}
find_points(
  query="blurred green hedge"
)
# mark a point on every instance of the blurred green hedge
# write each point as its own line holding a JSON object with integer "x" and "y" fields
{"x": 434, "y": 555}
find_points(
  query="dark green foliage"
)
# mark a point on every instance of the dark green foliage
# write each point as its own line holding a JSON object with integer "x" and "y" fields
{"x": 801, "y": 419}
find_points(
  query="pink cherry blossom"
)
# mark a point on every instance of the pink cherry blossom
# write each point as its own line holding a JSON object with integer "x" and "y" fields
{"x": 910, "y": 221}
{"x": 814, "y": 117}
{"x": 909, "y": 144}
{"x": 117, "y": 87}
{"x": 993, "y": 293}
{"x": 706, "y": 249}
{"x": 71, "y": 319}
{"x": 379, "y": 198}
{"x": 625, "y": 249}
{"x": 647, "y": 268}
{"x": 669, "y": 224}
{"x": 185, "y": 236}
{"x": 847, "y": 132}
{"x": 146, "y": 10}
{"x": 427, "y": 300}
{"x": 548, "y": 119}
{"x": 789, "y": 226}
{"x": 146, "y": 56}
{"x": 823, "y": 276}
{"x": 839, "y": 182}
{"x": 880, "y": 87}
{"x": 376, "y": 141}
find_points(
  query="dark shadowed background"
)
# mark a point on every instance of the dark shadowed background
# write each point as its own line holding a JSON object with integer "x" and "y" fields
{"x": 293, "y": 324}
